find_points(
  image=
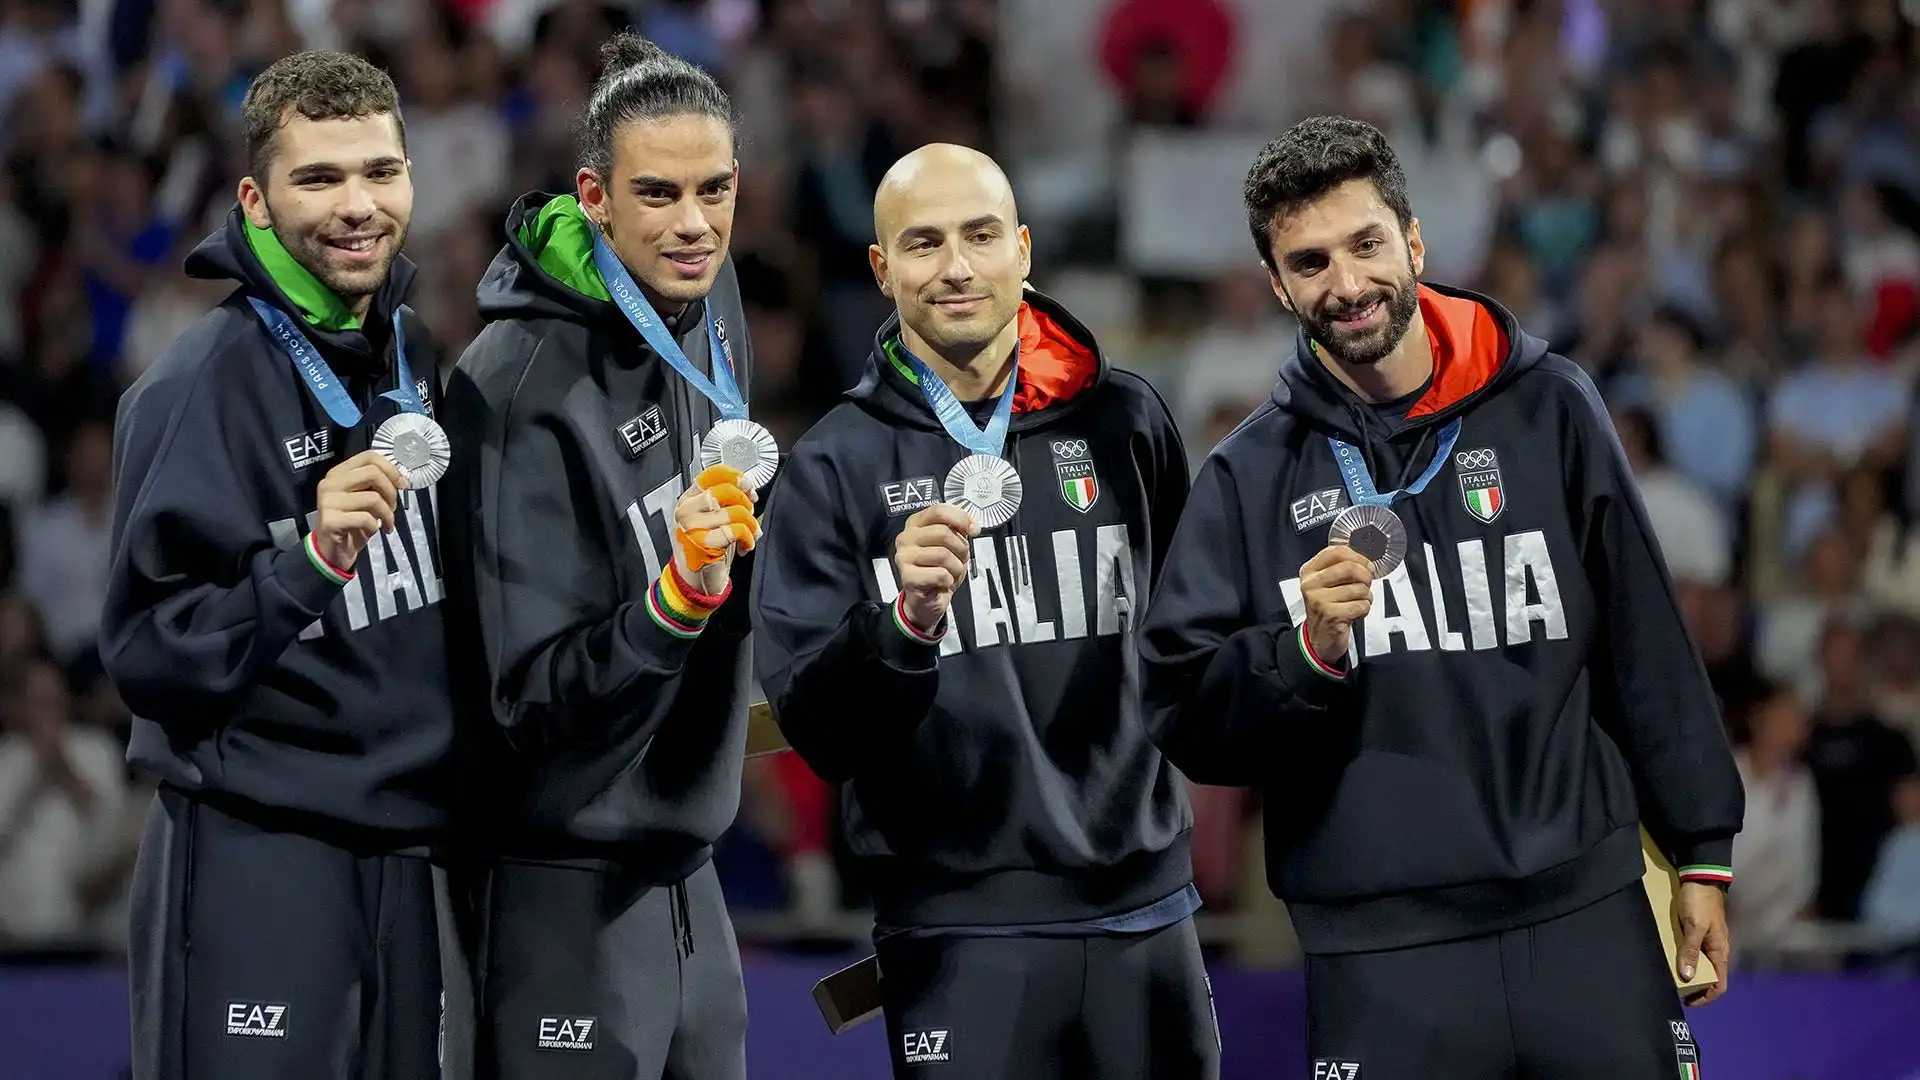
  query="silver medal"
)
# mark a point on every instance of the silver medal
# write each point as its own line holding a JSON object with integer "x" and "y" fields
{"x": 417, "y": 446}
{"x": 1375, "y": 532}
{"x": 743, "y": 445}
{"x": 986, "y": 487}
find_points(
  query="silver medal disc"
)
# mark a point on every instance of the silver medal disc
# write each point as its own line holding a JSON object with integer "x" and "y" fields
{"x": 1375, "y": 532}
{"x": 417, "y": 446}
{"x": 744, "y": 445}
{"x": 986, "y": 487}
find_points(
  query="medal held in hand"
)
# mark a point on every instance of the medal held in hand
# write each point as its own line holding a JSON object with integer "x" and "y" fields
{"x": 1369, "y": 526}
{"x": 734, "y": 440}
{"x": 412, "y": 440}
{"x": 984, "y": 483}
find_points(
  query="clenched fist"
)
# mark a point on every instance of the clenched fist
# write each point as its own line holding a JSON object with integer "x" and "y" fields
{"x": 356, "y": 499}
{"x": 1337, "y": 585}
{"x": 930, "y": 556}
{"x": 713, "y": 522}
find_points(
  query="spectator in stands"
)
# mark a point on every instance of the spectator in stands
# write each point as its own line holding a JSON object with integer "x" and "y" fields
{"x": 1705, "y": 419}
{"x": 65, "y": 549}
{"x": 1896, "y": 687}
{"x": 1236, "y": 358}
{"x": 1778, "y": 848}
{"x": 1691, "y": 528}
{"x": 1789, "y": 633}
{"x": 58, "y": 782}
{"x": 1892, "y": 898}
{"x": 1856, "y": 760}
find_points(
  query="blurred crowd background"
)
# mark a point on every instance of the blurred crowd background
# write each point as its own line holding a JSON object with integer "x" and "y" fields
{"x": 1712, "y": 205}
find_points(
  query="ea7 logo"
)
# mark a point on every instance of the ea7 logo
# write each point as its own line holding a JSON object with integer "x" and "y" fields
{"x": 256, "y": 1019}
{"x": 907, "y": 496}
{"x": 1336, "y": 1070}
{"x": 1316, "y": 507}
{"x": 643, "y": 431}
{"x": 566, "y": 1032}
{"x": 925, "y": 1047}
{"x": 309, "y": 448}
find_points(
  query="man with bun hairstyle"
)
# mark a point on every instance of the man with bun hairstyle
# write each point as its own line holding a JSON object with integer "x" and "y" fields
{"x": 608, "y": 470}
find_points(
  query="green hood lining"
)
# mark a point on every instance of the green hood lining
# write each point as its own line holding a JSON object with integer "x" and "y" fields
{"x": 561, "y": 239}
{"x": 317, "y": 304}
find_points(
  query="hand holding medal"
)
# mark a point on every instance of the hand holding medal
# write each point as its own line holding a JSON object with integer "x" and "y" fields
{"x": 984, "y": 484}
{"x": 713, "y": 522}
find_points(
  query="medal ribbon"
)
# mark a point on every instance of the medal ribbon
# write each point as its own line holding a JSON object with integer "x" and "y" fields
{"x": 953, "y": 414}
{"x": 1353, "y": 469}
{"x": 320, "y": 379}
{"x": 721, "y": 390}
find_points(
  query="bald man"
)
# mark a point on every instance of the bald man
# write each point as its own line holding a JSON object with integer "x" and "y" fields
{"x": 944, "y": 619}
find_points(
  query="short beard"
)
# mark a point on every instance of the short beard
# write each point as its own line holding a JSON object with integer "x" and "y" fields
{"x": 311, "y": 254}
{"x": 1368, "y": 348}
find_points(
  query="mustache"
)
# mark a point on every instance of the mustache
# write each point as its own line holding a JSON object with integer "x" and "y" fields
{"x": 1341, "y": 311}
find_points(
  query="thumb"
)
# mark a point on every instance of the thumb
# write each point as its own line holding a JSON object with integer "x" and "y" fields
{"x": 1695, "y": 932}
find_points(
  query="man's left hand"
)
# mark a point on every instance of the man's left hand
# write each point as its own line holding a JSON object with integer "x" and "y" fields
{"x": 1703, "y": 928}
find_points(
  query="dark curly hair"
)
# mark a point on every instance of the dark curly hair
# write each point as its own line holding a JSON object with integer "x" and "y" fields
{"x": 1315, "y": 156}
{"x": 316, "y": 85}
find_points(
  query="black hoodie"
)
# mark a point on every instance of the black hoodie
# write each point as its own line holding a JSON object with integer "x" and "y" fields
{"x": 254, "y": 677}
{"x": 1000, "y": 777}
{"x": 1523, "y": 691}
{"x": 615, "y": 741}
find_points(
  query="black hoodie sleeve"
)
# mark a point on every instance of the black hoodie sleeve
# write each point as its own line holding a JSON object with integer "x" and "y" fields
{"x": 1651, "y": 689}
{"x": 1225, "y": 697}
{"x": 1171, "y": 479}
{"x": 568, "y": 659}
{"x": 200, "y": 600}
{"x": 844, "y": 681}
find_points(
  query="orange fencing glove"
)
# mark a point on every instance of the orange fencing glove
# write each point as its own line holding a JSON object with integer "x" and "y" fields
{"x": 722, "y": 482}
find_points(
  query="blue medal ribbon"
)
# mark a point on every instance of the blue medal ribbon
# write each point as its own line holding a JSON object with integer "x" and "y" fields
{"x": 953, "y": 414}
{"x": 1353, "y": 469}
{"x": 326, "y": 386}
{"x": 721, "y": 389}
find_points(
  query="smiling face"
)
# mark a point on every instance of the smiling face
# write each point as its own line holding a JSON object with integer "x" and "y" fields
{"x": 1343, "y": 266}
{"x": 338, "y": 194}
{"x": 667, "y": 207}
{"x": 952, "y": 253}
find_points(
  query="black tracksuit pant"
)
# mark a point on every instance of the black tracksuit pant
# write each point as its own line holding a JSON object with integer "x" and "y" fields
{"x": 583, "y": 975}
{"x": 1119, "y": 1007}
{"x": 259, "y": 952}
{"x": 1585, "y": 996}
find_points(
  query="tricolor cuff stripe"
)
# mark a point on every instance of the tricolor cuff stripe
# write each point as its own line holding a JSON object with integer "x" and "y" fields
{"x": 1314, "y": 661}
{"x": 1706, "y": 872}
{"x": 668, "y": 620}
{"x": 907, "y": 628}
{"x": 327, "y": 570}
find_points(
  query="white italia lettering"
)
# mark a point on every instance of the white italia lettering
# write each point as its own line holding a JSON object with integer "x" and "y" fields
{"x": 1073, "y": 594}
{"x": 403, "y": 561}
{"x": 986, "y": 586}
{"x": 394, "y": 575}
{"x": 1479, "y": 593}
{"x": 1527, "y": 556}
{"x": 425, "y": 552}
{"x": 1404, "y": 620}
{"x": 1113, "y": 582}
{"x": 1450, "y": 639}
{"x": 1531, "y": 595}
{"x": 656, "y": 503}
{"x": 1026, "y": 607}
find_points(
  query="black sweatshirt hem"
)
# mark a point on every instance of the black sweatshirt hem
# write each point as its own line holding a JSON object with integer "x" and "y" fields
{"x": 908, "y": 896}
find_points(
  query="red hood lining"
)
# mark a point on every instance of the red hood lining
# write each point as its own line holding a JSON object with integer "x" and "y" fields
{"x": 1054, "y": 365}
{"x": 1468, "y": 345}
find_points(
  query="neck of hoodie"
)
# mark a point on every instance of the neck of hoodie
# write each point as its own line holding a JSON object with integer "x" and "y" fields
{"x": 971, "y": 376}
{"x": 319, "y": 306}
{"x": 1404, "y": 370}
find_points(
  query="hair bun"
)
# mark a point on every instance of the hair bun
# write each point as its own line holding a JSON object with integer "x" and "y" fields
{"x": 626, "y": 50}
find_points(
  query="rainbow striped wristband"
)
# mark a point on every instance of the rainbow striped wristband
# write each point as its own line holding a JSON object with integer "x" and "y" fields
{"x": 679, "y": 608}
{"x": 327, "y": 570}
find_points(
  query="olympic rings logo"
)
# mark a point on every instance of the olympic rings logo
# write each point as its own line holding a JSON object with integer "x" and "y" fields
{"x": 1070, "y": 448}
{"x": 1474, "y": 459}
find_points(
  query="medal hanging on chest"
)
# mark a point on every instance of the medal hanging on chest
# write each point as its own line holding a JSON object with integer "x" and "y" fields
{"x": 1369, "y": 525}
{"x": 412, "y": 440}
{"x": 734, "y": 440}
{"x": 984, "y": 483}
